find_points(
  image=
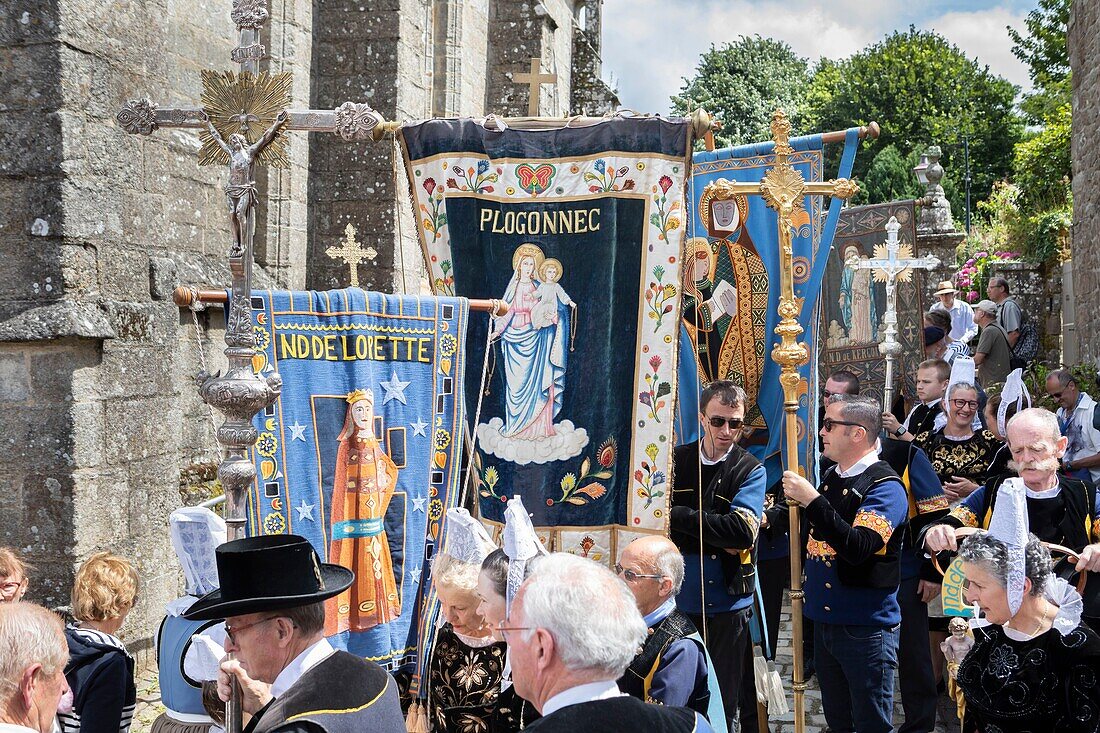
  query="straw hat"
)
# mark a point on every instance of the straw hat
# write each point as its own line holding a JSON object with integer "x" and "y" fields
{"x": 946, "y": 287}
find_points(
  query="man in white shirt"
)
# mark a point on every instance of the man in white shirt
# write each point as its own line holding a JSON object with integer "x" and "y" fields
{"x": 1076, "y": 417}
{"x": 572, "y": 630}
{"x": 33, "y": 654}
{"x": 272, "y": 594}
{"x": 963, "y": 327}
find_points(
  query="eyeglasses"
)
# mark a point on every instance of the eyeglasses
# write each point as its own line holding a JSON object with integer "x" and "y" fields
{"x": 829, "y": 423}
{"x": 10, "y": 586}
{"x": 630, "y": 576}
{"x": 1053, "y": 395}
{"x": 232, "y": 631}
{"x": 735, "y": 423}
{"x": 505, "y": 629}
{"x": 964, "y": 404}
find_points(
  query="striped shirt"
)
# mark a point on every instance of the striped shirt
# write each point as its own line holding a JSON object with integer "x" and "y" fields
{"x": 70, "y": 722}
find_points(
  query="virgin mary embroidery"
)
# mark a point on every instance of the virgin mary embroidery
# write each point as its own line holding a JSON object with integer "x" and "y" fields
{"x": 361, "y": 492}
{"x": 534, "y": 338}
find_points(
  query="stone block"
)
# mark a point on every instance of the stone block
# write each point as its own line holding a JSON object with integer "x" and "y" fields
{"x": 140, "y": 429}
{"x": 15, "y": 382}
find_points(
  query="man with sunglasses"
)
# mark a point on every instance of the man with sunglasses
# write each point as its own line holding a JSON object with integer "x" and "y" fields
{"x": 272, "y": 594}
{"x": 1078, "y": 419}
{"x": 672, "y": 666}
{"x": 717, "y": 503}
{"x": 853, "y": 567}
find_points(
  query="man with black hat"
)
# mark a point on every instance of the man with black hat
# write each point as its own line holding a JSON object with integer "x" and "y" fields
{"x": 272, "y": 596}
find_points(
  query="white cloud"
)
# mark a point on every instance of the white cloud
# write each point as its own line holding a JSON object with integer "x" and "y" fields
{"x": 650, "y": 45}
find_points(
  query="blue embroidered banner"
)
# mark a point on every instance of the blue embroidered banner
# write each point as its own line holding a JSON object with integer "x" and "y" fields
{"x": 730, "y": 334}
{"x": 579, "y": 231}
{"x": 361, "y": 454}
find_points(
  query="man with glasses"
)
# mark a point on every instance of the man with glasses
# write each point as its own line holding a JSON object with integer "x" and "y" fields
{"x": 1078, "y": 419}
{"x": 993, "y": 354}
{"x": 672, "y": 666}
{"x": 572, "y": 630}
{"x": 853, "y": 568}
{"x": 272, "y": 594}
{"x": 717, "y": 503}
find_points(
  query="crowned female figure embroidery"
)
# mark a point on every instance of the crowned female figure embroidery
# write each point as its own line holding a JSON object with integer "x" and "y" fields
{"x": 361, "y": 492}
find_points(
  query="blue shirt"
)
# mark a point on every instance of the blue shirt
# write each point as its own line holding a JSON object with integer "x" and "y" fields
{"x": 749, "y": 499}
{"x": 884, "y": 508}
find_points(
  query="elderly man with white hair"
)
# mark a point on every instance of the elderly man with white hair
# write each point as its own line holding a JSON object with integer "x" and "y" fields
{"x": 33, "y": 653}
{"x": 572, "y": 630}
{"x": 1061, "y": 510}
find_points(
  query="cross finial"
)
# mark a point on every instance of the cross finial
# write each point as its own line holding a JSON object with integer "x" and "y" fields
{"x": 534, "y": 80}
{"x": 352, "y": 253}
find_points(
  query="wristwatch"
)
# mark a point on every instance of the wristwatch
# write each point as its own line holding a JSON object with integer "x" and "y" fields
{"x": 900, "y": 431}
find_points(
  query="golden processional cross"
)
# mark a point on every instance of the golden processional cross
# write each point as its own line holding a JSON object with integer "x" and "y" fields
{"x": 782, "y": 188}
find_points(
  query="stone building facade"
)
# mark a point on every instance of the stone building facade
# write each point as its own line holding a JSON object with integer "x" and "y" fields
{"x": 100, "y": 414}
{"x": 1084, "y": 56}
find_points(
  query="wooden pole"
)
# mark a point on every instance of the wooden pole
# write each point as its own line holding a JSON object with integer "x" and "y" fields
{"x": 185, "y": 297}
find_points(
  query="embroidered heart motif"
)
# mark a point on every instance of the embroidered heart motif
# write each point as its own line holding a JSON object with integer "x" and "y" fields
{"x": 535, "y": 179}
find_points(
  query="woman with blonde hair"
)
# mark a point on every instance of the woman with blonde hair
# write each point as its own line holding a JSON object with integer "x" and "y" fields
{"x": 100, "y": 670}
{"x": 13, "y": 576}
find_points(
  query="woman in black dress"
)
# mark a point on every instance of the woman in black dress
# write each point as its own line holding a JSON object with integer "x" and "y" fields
{"x": 1035, "y": 668}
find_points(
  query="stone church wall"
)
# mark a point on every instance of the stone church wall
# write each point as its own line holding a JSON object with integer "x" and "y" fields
{"x": 1084, "y": 53}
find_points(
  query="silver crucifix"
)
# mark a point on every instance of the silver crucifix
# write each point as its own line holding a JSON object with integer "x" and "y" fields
{"x": 893, "y": 262}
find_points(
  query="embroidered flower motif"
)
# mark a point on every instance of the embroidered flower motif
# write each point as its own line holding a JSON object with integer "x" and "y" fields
{"x": 435, "y": 509}
{"x": 1003, "y": 662}
{"x": 274, "y": 523}
{"x": 875, "y": 521}
{"x": 606, "y": 453}
{"x": 964, "y": 515}
{"x": 267, "y": 444}
{"x": 471, "y": 673}
{"x": 442, "y": 439}
{"x": 448, "y": 345}
{"x": 820, "y": 550}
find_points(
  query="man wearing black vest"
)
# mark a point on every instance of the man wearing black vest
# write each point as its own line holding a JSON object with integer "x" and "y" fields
{"x": 932, "y": 378}
{"x": 720, "y": 565}
{"x": 1061, "y": 510}
{"x": 571, "y": 631}
{"x": 672, "y": 667}
{"x": 853, "y": 568}
{"x": 272, "y": 596}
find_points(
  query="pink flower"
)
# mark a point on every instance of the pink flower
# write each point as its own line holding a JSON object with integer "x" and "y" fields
{"x": 972, "y": 296}
{"x": 970, "y": 262}
{"x": 429, "y": 185}
{"x": 655, "y": 362}
{"x": 665, "y": 183}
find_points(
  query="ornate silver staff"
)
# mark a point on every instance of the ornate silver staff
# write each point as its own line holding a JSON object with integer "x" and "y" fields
{"x": 893, "y": 262}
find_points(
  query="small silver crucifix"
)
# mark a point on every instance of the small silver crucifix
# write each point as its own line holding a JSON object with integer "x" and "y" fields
{"x": 893, "y": 262}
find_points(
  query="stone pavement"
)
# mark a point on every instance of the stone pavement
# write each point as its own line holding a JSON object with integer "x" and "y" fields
{"x": 149, "y": 706}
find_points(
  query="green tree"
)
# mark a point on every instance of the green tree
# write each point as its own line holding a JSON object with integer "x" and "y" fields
{"x": 742, "y": 83}
{"x": 1042, "y": 46}
{"x": 889, "y": 178}
{"x": 922, "y": 90}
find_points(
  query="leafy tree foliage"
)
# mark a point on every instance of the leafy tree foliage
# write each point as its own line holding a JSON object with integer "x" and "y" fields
{"x": 1042, "y": 46}
{"x": 889, "y": 178}
{"x": 742, "y": 83}
{"x": 922, "y": 90}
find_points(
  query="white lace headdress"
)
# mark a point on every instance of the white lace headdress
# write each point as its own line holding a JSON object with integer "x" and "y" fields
{"x": 521, "y": 544}
{"x": 1014, "y": 393}
{"x": 1009, "y": 525}
{"x": 195, "y": 532}
{"x": 466, "y": 538}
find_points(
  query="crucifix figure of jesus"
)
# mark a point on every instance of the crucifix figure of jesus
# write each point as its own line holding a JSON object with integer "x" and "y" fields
{"x": 892, "y": 263}
{"x": 233, "y": 104}
{"x": 783, "y": 187}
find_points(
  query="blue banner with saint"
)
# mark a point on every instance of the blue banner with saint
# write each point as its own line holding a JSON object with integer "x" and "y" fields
{"x": 579, "y": 232}
{"x": 361, "y": 453}
{"x": 731, "y": 291}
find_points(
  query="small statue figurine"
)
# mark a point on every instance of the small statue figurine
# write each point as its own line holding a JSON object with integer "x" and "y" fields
{"x": 954, "y": 649}
{"x": 240, "y": 192}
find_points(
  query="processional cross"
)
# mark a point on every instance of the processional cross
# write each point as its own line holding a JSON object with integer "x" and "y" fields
{"x": 782, "y": 187}
{"x": 241, "y": 122}
{"x": 893, "y": 263}
{"x": 534, "y": 79}
{"x": 352, "y": 253}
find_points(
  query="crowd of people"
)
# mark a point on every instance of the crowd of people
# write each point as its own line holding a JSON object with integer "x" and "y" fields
{"x": 664, "y": 641}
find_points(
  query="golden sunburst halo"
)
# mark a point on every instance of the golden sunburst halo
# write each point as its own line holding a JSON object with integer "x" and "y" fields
{"x": 905, "y": 252}
{"x": 247, "y": 104}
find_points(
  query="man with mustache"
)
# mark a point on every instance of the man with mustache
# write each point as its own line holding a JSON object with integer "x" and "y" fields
{"x": 1061, "y": 510}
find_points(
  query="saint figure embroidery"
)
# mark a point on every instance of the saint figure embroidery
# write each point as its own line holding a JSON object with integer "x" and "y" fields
{"x": 857, "y": 301}
{"x": 535, "y": 340}
{"x": 361, "y": 492}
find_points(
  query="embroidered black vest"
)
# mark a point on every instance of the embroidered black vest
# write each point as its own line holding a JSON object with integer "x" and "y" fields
{"x": 883, "y": 569}
{"x": 738, "y": 570}
{"x": 638, "y": 676}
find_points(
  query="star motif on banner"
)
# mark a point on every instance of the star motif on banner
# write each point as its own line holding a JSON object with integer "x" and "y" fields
{"x": 305, "y": 511}
{"x": 416, "y": 572}
{"x": 418, "y": 503}
{"x": 297, "y": 431}
{"x": 395, "y": 389}
{"x": 419, "y": 427}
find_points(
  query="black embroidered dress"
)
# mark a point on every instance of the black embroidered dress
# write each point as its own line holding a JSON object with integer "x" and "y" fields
{"x": 464, "y": 683}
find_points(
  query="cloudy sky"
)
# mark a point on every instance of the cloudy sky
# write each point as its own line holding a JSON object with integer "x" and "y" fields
{"x": 650, "y": 45}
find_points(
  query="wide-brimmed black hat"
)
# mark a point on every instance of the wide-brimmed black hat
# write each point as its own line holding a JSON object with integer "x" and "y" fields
{"x": 268, "y": 573}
